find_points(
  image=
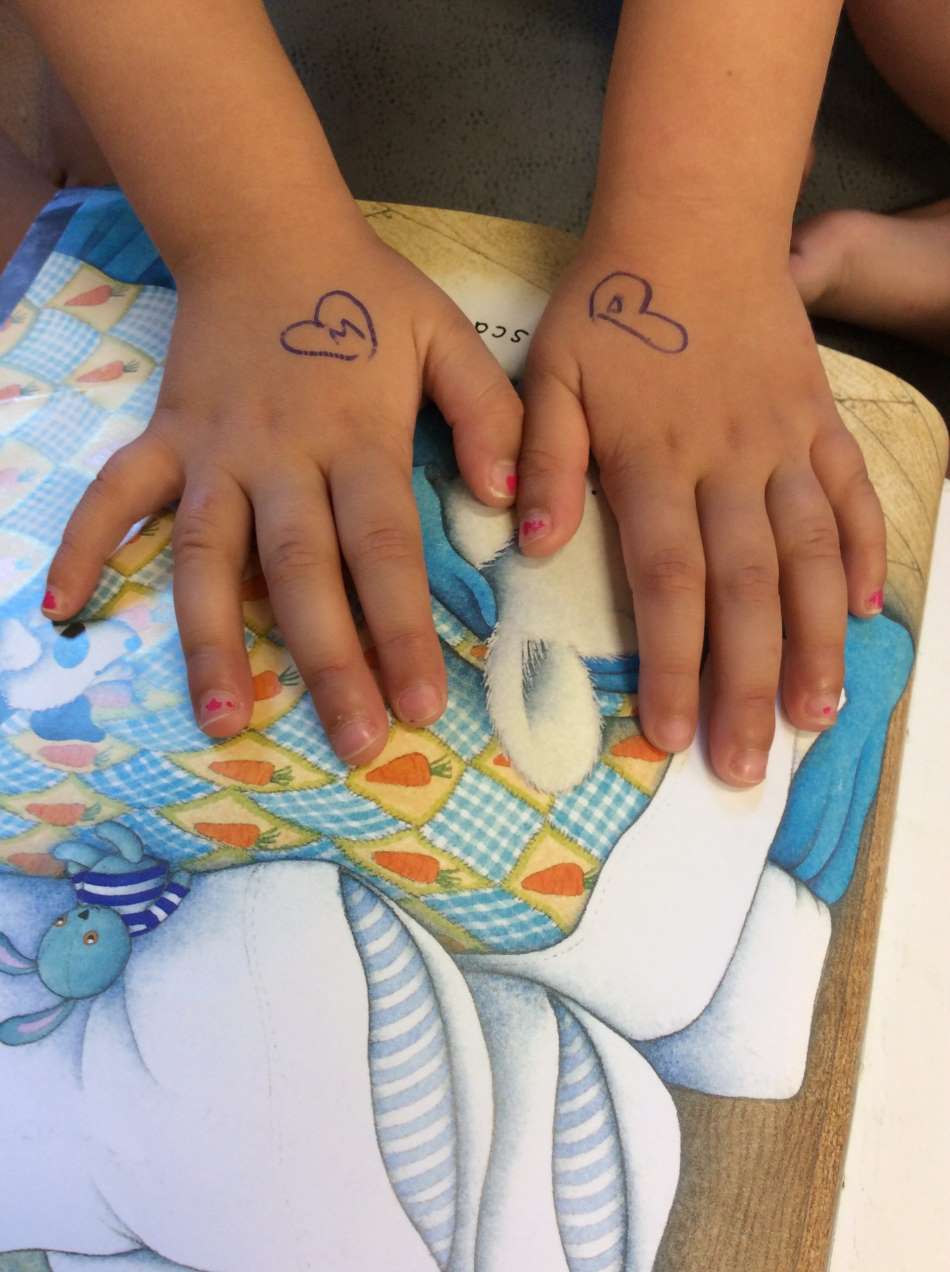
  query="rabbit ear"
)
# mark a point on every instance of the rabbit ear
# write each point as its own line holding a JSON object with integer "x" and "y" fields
{"x": 544, "y": 709}
{"x": 19, "y": 1030}
{"x": 12, "y": 961}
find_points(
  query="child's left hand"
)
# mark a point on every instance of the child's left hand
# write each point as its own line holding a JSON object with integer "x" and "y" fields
{"x": 743, "y": 502}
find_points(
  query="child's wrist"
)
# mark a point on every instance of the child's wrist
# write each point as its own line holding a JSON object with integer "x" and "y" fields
{"x": 318, "y": 223}
{"x": 708, "y": 234}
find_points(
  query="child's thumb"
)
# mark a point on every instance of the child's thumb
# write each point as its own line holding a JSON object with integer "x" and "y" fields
{"x": 484, "y": 411}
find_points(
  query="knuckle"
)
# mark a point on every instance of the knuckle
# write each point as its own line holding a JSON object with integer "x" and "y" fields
{"x": 292, "y": 557}
{"x": 325, "y": 673}
{"x": 112, "y": 476}
{"x": 383, "y": 545}
{"x": 195, "y": 531}
{"x": 756, "y": 703}
{"x": 669, "y": 572}
{"x": 411, "y": 643}
{"x": 754, "y": 583}
{"x": 815, "y": 539}
{"x": 539, "y": 461}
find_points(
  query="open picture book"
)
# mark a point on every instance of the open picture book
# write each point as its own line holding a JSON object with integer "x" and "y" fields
{"x": 525, "y": 991}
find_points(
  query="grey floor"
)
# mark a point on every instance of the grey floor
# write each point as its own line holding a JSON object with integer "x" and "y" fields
{"x": 495, "y": 107}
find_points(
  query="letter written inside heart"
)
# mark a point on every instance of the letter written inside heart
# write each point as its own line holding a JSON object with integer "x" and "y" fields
{"x": 625, "y": 301}
{"x": 341, "y": 327}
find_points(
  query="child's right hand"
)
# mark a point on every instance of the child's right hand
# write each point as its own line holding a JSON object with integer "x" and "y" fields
{"x": 313, "y": 455}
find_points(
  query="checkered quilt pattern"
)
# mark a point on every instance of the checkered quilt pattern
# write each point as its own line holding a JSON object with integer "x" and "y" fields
{"x": 440, "y": 821}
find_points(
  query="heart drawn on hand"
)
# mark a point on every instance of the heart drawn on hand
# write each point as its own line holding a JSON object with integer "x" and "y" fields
{"x": 624, "y": 300}
{"x": 341, "y": 327}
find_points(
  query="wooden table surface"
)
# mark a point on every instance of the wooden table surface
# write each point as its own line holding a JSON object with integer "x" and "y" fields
{"x": 760, "y": 1178}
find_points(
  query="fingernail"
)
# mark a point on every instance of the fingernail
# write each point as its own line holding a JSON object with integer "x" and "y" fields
{"x": 504, "y": 479}
{"x": 533, "y": 527}
{"x": 875, "y": 601}
{"x": 419, "y": 705}
{"x": 352, "y": 737}
{"x": 214, "y": 706}
{"x": 822, "y": 708}
{"x": 50, "y": 600}
{"x": 675, "y": 733}
{"x": 749, "y": 766}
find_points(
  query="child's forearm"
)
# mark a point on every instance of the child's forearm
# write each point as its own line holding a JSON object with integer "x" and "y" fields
{"x": 708, "y": 117}
{"x": 202, "y": 117}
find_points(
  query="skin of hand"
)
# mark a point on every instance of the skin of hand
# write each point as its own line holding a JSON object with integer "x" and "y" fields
{"x": 677, "y": 351}
{"x": 742, "y": 499}
{"x": 313, "y": 455}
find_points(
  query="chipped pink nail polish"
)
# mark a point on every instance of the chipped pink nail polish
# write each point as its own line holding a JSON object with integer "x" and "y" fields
{"x": 49, "y": 600}
{"x": 876, "y": 600}
{"x": 504, "y": 480}
{"x": 821, "y": 708}
{"x": 215, "y": 705}
{"x": 534, "y": 526}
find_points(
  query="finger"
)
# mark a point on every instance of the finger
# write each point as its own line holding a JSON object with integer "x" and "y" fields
{"x": 552, "y": 466}
{"x": 381, "y": 541}
{"x": 210, "y": 541}
{"x": 745, "y": 629}
{"x": 839, "y": 466}
{"x": 297, "y": 543}
{"x": 663, "y": 552}
{"x": 814, "y": 596}
{"x": 135, "y": 481}
{"x": 478, "y": 401}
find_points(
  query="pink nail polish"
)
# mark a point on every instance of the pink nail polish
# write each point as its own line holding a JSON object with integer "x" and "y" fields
{"x": 504, "y": 480}
{"x": 534, "y": 526}
{"x": 821, "y": 708}
{"x": 214, "y": 706}
{"x": 49, "y": 600}
{"x": 876, "y": 600}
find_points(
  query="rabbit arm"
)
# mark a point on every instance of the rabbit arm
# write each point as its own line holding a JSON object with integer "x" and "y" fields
{"x": 77, "y": 853}
{"x": 125, "y": 841}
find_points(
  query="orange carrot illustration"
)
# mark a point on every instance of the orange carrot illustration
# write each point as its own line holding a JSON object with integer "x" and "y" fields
{"x": 411, "y": 769}
{"x": 72, "y": 754}
{"x": 237, "y": 834}
{"x": 565, "y": 879}
{"x": 254, "y": 588}
{"x": 502, "y": 761}
{"x": 11, "y": 391}
{"x": 418, "y": 867}
{"x": 479, "y": 651}
{"x": 267, "y": 684}
{"x": 62, "y": 814}
{"x": 97, "y": 295}
{"x": 36, "y": 863}
{"x": 636, "y": 747}
{"x": 108, "y": 371}
{"x": 252, "y": 772}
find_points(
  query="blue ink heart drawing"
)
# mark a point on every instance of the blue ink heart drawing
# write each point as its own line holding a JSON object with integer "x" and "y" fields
{"x": 625, "y": 300}
{"x": 341, "y": 328}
